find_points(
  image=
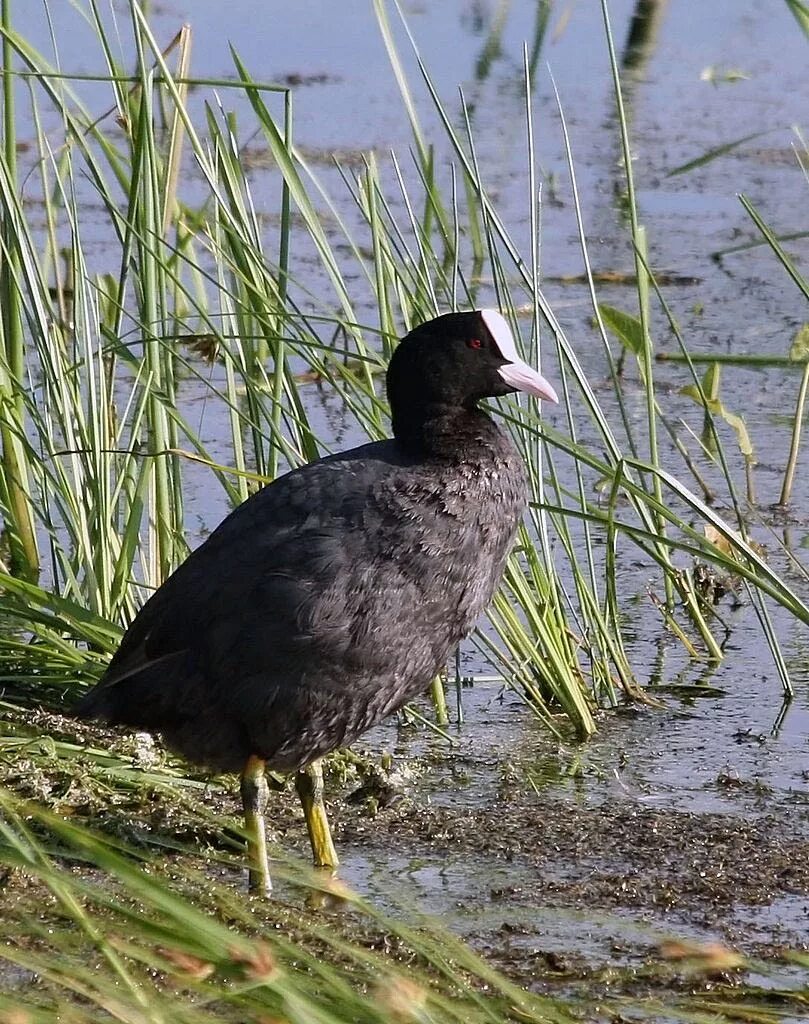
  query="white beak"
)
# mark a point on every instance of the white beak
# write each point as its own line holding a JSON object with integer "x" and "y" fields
{"x": 521, "y": 376}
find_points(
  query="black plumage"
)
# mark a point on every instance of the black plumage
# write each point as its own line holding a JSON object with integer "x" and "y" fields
{"x": 335, "y": 594}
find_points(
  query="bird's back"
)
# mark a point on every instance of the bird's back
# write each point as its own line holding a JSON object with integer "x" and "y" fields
{"x": 320, "y": 605}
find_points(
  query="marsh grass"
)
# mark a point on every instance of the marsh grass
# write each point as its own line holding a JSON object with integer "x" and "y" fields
{"x": 132, "y": 949}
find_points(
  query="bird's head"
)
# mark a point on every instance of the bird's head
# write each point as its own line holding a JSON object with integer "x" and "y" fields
{"x": 458, "y": 359}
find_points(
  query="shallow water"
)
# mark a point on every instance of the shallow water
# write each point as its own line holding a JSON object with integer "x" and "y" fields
{"x": 729, "y": 753}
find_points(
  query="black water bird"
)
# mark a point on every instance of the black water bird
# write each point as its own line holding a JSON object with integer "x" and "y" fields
{"x": 334, "y": 595}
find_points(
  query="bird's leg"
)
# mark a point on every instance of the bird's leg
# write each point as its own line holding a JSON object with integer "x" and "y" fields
{"x": 309, "y": 784}
{"x": 255, "y": 794}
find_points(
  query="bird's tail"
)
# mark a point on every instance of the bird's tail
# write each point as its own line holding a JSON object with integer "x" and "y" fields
{"x": 142, "y": 699}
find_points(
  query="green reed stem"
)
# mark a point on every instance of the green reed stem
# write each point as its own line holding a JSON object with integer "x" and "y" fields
{"x": 14, "y": 488}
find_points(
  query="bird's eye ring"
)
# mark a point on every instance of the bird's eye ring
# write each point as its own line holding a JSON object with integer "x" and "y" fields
{"x": 475, "y": 343}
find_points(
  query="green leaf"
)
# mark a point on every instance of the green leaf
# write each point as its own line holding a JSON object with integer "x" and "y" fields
{"x": 624, "y": 326}
{"x": 715, "y": 407}
{"x": 738, "y": 424}
{"x": 713, "y": 154}
{"x": 801, "y": 12}
{"x": 710, "y": 381}
{"x": 60, "y": 613}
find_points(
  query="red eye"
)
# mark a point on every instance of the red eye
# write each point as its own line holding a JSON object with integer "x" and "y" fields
{"x": 475, "y": 343}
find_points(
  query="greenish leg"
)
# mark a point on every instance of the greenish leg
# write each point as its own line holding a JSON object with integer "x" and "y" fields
{"x": 255, "y": 794}
{"x": 309, "y": 784}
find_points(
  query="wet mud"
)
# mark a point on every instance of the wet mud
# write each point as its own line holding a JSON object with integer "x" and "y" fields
{"x": 549, "y": 865}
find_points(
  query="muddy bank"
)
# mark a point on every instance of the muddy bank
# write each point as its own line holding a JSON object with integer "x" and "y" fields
{"x": 571, "y": 881}
{"x": 470, "y": 836}
{"x": 676, "y": 868}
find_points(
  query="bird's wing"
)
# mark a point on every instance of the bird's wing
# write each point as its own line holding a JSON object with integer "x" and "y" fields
{"x": 278, "y": 582}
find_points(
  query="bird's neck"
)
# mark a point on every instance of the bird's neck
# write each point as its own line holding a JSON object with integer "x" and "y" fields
{"x": 443, "y": 431}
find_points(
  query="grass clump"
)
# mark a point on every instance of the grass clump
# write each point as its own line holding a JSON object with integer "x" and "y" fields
{"x": 115, "y": 939}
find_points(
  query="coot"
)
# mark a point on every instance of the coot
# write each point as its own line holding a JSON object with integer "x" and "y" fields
{"x": 335, "y": 594}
